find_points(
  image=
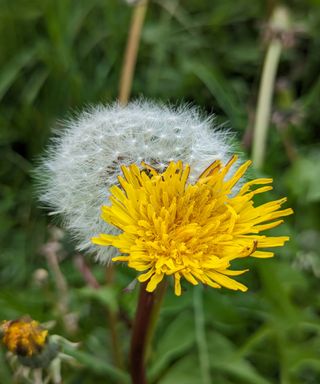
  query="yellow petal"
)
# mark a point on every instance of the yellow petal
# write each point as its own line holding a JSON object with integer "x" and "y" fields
{"x": 154, "y": 281}
{"x": 177, "y": 285}
{"x": 226, "y": 281}
{"x": 262, "y": 254}
{"x": 146, "y": 276}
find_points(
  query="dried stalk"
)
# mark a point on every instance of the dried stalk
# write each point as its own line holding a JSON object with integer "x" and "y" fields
{"x": 130, "y": 57}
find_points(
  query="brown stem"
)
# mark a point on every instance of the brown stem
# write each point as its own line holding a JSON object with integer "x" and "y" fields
{"x": 85, "y": 271}
{"x": 139, "y": 335}
{"x": 132, "y": 50}
{"x": 144, "y": 323}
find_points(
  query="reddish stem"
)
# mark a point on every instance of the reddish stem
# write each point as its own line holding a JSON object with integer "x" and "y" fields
{"x": 140, "y": 335}
{"x": 147, "y": 313}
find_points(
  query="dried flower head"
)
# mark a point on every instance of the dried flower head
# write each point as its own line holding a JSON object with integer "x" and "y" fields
{"x": 24, "y": 337}
{"x": 170, "y": 226}
{"x": 32, "y": 351}
{"x": 84, "y": 160}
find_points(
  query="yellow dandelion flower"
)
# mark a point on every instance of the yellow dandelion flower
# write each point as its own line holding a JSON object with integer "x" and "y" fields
{"x": 190, "y": 231}
{"x": 24, "y": 337}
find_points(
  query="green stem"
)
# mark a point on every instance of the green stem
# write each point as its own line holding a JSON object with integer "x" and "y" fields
{"x": 201, "y": 335}
{"x": 279, "y": 26}
{"x": 144, "y": 324}
{"x": 265, "y": 102}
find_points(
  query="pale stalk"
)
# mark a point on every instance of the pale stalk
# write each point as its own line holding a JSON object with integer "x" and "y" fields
{"x": 37, "y": 376}
{"x": 50, "y": 251}
{"x": 279, "y": 24}
{"x": 131, "y": 52}
{"x": 265, "y": 102}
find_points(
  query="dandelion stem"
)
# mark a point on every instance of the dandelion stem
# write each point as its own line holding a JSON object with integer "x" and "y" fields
{"x": 130, "y": 58}
{"x": 124, "y": 94}
{"x": 50, "y": 251}
{"x": 201, "y": 335}
{"x": 85, "y": 271}
{"x": 279, "y": 25}
{"x": 144, "y": 323}
{"x": 264, "y": 102}
{"x": 37, "y": 376}
{"x": 60, "y": 281}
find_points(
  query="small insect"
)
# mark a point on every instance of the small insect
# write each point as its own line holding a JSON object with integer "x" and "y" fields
{"x": 147, "y": 171}
{"x": 248, "y": 251}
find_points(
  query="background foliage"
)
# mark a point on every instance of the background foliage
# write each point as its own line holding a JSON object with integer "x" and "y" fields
{"x": 58, "y": 56}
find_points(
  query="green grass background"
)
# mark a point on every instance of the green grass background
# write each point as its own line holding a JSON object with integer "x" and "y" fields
{"x": 59, "y": 56}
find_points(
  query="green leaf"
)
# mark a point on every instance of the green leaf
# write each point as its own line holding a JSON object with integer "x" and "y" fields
{"x": 105, "y": 295}
{"x": 177, "y": 339}
{"x": 303, "y": 178}
{"x": 224, "y": 358}
{"x": 213, "y": 79}
{"x": 185, "y": 371}
{"x": 34, "y": 85}
{"x": 99, "y": 366}
{"x": 11, "y": 71}
{"x": 241, "y": 370}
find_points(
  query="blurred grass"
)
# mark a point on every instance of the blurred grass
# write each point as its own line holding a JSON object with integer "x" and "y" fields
{"x": 57, "y": 57}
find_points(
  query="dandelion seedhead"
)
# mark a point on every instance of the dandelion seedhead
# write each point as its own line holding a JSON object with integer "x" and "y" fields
{"x": 84, "y": 159}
